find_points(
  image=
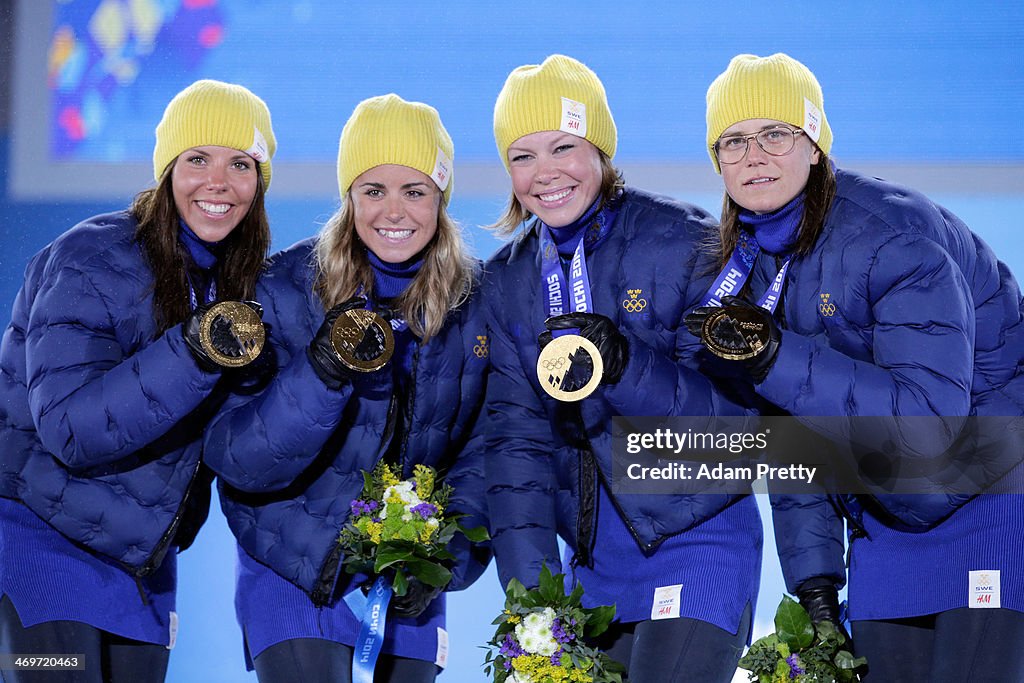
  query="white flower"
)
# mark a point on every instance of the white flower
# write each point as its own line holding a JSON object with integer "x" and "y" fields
{"x": 404, "y": 492}
{"x": 520, "y": 677}
{"x": 534, "y": 633}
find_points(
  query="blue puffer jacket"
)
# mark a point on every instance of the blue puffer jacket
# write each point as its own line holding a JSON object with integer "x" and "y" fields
{"x": 534, "y": 443}
{"x": 290, "y": 458}
{"x": 101, "y": 423}
{"x": 899, "y": 311}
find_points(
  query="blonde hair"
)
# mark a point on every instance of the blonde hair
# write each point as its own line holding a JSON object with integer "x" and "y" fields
{"x": 442, "y": 284}
{"x": 515, "y": 213}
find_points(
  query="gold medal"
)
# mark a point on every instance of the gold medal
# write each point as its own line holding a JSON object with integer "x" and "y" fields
{"x": 569, "y": 368}
{"x": 363, "y": 340}
{"x": 735, "y": 333}
{"x": 232, "y": 325}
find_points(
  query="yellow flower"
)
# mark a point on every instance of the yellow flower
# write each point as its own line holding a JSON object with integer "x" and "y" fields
{"x": 374, "y": 530}
{"x": 388, "y": 476}
{"x": 424, "y": 477}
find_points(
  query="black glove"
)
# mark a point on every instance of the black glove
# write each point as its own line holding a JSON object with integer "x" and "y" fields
{"x": 222, "y": 336}
{"x": 820, "y": 598}
{"x": 322, "y": 356}
{"x": 728, "y": 335}
{"x": 416, "y": 599}
{"x": 612, "y": 344}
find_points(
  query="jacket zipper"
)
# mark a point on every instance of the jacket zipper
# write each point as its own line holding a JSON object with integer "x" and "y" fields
{"x": 160, "y": 551}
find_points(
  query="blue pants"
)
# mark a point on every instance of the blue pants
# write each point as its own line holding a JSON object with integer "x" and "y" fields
{"x": 976, "y": 645}
{"x": 108, "y": 658}
{"x": 313, "y": 659}
{"x": 676, "y": 650}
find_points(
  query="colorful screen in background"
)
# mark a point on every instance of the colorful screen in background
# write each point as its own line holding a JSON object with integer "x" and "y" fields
{"x": 915, "y": 80}
{"x": 99, "y": 51}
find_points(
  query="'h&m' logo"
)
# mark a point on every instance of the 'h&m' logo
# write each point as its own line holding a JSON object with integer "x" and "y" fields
{"x": 635, "y": 303}
{"x": 827, "y": 308}
{"x": 482, "y": 350}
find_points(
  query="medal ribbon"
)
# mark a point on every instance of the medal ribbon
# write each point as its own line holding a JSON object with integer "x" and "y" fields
{"x": 372, "y": 609}
{"x": 553, "y": 278}
{"x": 732, "y": 278}
{"x": 211, "y": 293}
{"x": 397, "y": 324}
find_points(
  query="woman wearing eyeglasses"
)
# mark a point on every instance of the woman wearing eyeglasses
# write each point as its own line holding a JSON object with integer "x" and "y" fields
{"x": 873, "y": 302}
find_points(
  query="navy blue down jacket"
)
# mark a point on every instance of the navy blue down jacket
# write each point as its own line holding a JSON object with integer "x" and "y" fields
{"x": 534, "y": 443}
{"x": 100, "y": 423}
{"x": 290, "y": 457}
{"x": 900, "y": 310}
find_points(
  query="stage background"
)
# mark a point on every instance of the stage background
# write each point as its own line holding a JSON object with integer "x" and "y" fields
{"x": 920, "y": 92}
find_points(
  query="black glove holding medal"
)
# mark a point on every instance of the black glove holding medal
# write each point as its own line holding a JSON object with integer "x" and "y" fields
{"x": 612, "y": 344}
{"x": 222, "y": 336}
{"x": 820, "y": 598}
{"x": 728, "y": 335}
{"x": 329, "y": 368}
{"x": 416, "y": 599}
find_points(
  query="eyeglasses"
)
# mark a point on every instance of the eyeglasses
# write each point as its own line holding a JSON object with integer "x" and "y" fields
{"x": 777, "y": 141}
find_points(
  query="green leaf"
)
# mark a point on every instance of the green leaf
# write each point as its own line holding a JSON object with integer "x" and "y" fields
{"x": 400, "y": 585}
{"x": 477, "y": 534}
{"x": 845, "y": 660}
{"x": 428, "y": 572}
{"x": 600, "y": 618}
{"x": 793, "y": 624}
{"x": 388, "y": 556}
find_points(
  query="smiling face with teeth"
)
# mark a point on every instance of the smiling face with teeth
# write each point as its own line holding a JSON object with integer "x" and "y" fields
{"x": 760, "y": 182}
{"x": 213, "y": 189}
{"x": 556, "y": 176}
{"x": 395, "y": 210}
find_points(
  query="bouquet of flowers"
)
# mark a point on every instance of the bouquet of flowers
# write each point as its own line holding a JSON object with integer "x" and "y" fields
{"x": 541, "y": 636}
{"x": 800, "y": 651}
{"x": 401, "y": 526}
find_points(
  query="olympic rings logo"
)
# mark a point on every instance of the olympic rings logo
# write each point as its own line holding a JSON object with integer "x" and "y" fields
{"x": 552, "y": 365}
{"x": 482, "y": 350}
{"x": 827, "y": 310}
{"x": 634, "y": 305}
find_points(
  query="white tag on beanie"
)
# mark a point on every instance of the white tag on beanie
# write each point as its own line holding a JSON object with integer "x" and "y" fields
{"x": 442, "y": 170}
{"x": 812, "y": 120}
{"x": 666, "y": 602}
{"x": 258, "y": 150}
{"x": 574, "y": 117}
{"x": 983, "y": 587}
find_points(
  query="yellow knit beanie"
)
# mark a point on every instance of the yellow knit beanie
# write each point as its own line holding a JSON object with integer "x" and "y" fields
{"x": 560, "y": 94}
{"x": 215, "y": 113}
{"x": 776, "y": 87}
{"x": 388, "y": 130}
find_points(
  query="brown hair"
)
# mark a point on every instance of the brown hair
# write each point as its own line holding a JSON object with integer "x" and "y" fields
{"x": 245, "y": 251}
{"x": 444, "y": 281}
{"x": 818, "y": 195}
{"x": 515, "y": 215}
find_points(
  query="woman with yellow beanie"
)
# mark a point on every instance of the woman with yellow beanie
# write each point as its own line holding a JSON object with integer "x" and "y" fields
{"x": 291, "y": 455}
{"x": 111, "y": 367}
{"x": 682, "y": 569}
{"x": 873, "y": 303}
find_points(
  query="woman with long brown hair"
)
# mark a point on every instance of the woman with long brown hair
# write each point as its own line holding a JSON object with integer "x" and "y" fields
{"x": 111, "y": 367}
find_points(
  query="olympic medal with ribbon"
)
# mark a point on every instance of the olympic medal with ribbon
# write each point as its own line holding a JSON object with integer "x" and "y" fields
{"x": 569, "y": 368}
{"x": 732, "y": 332}
{"x": 232, "y": 334}
{"x": 363, "y": 340}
